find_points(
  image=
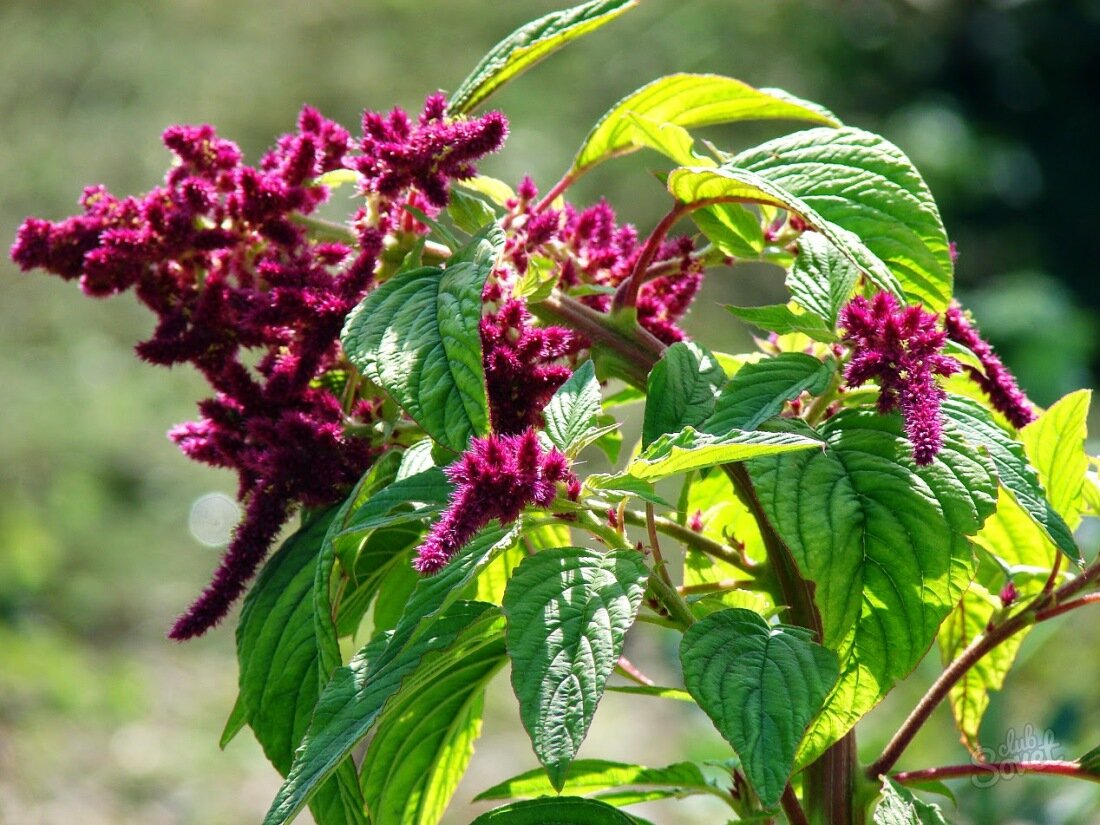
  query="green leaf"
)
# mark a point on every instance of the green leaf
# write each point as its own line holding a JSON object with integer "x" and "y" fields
{"x": 688, "y": 100}
{"x": 733, "y": 229}
{"x": 494, "y": 189}
{"x": 724, "y": 518}
{"x": 280, "y": 665}
{"x": 538, "y": 282}
{"x": 760, "y": 685}
{"x": 691, "y": 450}
{"x": 417, "y": 337}
{"x": 568, "y": 612}
{"x": 681, "y": 390}
{"x": 821, "y": 280}
{"x": 758, "y": 391}
{"x": 565, "y": 810}
{"x": 571, "y": 414}
{"x": 669, "y": 139}
{"x": 1013, "y": 470}
{"x": 865, "y": 184}
{"x": 529, "y": 44}
{"x": 469, "y": 213}
{"x": 588, "y": 776}
{"x": 969, "y": 697}
{"x": 412, "y": 498}
{"x": 1055, "y": 447}
{"x": 351, "y": 702}
{"x": 885, "y": 544}
{"x": 425, "y": 735}
{"x": 784, "y": 319}
{"x": 1091, "y": 761}
{"x": 621, "y": 486}
{"x": 900, "y": 807}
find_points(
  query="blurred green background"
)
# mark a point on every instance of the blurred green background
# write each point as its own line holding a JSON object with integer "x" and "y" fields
{"x": 102, "y": 720}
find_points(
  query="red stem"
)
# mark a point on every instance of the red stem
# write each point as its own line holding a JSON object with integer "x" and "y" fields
{"x": 568, "y": 179}
{"x": 1002, "y": 770}
{"x": 794, "y": 812}
{"x": 627, "y": 293}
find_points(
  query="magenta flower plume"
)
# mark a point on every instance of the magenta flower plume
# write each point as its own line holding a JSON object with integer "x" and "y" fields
{"x": 994, "y": 378}
{"x": 495, "y": 479}
{"x": 524, "y": 365}
{"x": 899, "y": 347}
{"x": 398, "y": 154}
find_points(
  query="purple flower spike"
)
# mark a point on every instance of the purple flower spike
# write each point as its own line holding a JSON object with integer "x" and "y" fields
{"x": 996, "y": 382}
{"x": 899, "y": 347}
{"x": 496, "y": 478}
{"x": 397, "y": 154}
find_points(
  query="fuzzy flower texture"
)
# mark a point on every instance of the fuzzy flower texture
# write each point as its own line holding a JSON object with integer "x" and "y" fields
{"x": 495, "y": 479}
{"x": 899, "y": 347}
{"x": 243, "y": 293}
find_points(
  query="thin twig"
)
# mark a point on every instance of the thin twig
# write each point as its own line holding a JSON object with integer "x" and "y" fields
{"x": 654, "y": 545}
{"x": 1001, "y": 770}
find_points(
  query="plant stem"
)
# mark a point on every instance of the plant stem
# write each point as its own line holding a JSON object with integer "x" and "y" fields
{"x": 567, "y": 180}
{"x": 999, "y": 769}
{"x": 1045, "y": 606}
{"x": 678, "y": 609}
{"x": 714, "y": 587}
{"x": 655, "y": 546}
{"x": 695, "y": 541}
{"x": 627, "y": 669}
{"x": 794, "y": 812}
{"x": 626, "y": 296}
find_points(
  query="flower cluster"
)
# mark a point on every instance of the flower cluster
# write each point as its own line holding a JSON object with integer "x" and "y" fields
{"x": 495, "y": 479}
{"x": 244, "y": 294}
{"x": 994, "y": 378}
{"x": 899, "y": 347}
{"x": 595, "y": 251}
{"x": 523, "y": 364}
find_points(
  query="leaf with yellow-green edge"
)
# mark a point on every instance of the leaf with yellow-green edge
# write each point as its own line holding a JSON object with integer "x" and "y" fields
{"x": 494, "y": 189}
{"x": 675, "y": 142}
{"x": 689, "y": 100}
{"x": 1055, "y": 445}
{"x": 864, "y": 183}
{"x": 409, "y": 779}
{"x": 529, "y": 44}
{"x": 885, "y": 543}
{"x": 821, "y": 280}
{"x": 786, "y": 318}
{"x": 692, "y": 450}
{"x": 696, "y": 185}
{"x": 969, "y": 697}
{"x": 733, "y": 229}
{"x": 1013, "y": 470}
{"x": 591, "y": 776}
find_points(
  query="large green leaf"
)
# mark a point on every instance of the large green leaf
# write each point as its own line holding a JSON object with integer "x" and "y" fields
{"x": 864, "y": 183}
{"x": 417, "y": 337}
{"x": 1055, "y": 447}
{"x": 681, "y": 390}
{"x": 568, "y": 612}
{"x": 281, "y": 668}
{"x": 732, "y": 228}
{"x": 412, "y": 498}
{"x": 821, "y": 280}
{"x": 351, "y": 702}
{"x": 564, "y": 810}
{"x": 758, "y": 391}
{"x": 529, "y": 44}
{"x": 356, "y": 693}
{"x": 899, "y": 807}
{"x": 858, "y": 190}
{"x": 425, "y": 735}
{"x": 688, "y": 100}
{"x": 761, "y": 685}
{"x": 691, "y": 450}
{"x": 885, "y": 544}
{"x": 571, "y": 414}
{"x": 589, "y": 776}
{"x": 1013, "y": 470}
